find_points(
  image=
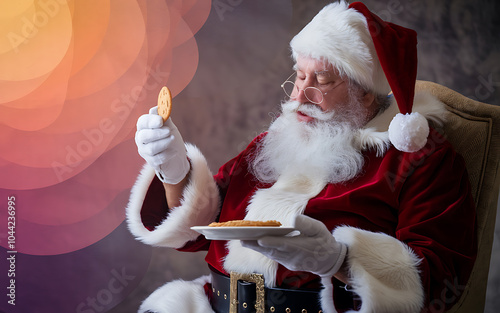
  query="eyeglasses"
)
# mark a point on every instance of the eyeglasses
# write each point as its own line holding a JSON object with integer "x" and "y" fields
{"x": 313, "y": 94}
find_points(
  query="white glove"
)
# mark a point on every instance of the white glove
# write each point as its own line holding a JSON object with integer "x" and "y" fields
{"x": 161, "y": 145}
{"x": 315, "y": 250}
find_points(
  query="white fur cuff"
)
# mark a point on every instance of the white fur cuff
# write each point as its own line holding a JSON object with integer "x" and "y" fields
{"x": 383, "y": 270}
{"x": 199, "y": 205}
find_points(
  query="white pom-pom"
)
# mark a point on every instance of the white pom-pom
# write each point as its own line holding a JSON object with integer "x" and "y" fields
{"x": 409, "y": 132}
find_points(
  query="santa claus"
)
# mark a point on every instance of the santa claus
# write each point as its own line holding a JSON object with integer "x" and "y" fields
{"x": 380, "y": 199}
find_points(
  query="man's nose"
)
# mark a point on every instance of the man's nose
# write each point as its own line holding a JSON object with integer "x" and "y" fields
{"x": 301, "y": 96}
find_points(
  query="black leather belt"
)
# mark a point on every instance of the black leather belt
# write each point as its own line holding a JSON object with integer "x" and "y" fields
{"x": 275, "y": 300}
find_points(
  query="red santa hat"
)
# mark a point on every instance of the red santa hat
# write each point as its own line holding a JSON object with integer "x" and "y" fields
{"x": 378, "y": 55}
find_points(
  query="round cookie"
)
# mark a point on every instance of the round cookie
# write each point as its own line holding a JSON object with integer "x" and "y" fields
{"x": 164, "y": 103}
{"x": 239, "y": 223}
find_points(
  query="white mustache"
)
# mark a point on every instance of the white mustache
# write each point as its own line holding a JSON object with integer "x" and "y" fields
{"x": 311, "y": 110}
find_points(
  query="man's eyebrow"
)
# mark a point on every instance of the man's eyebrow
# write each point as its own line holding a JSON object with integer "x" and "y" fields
{"x": 322, "y": 73}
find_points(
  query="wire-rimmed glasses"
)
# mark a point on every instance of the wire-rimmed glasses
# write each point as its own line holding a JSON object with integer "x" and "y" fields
{"x": 313, "y": 94}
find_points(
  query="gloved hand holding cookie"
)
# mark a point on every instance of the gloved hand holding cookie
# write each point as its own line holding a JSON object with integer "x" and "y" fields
{"x": 159, "y": 142}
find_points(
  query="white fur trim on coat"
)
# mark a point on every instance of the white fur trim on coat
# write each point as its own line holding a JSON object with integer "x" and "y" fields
{"x": 383, "y": 272}
{"x": 179, "y": 296}
{"x": 375, "y": 133}
{"x": 286, "y": 199}
{"x": 199, "y": 205}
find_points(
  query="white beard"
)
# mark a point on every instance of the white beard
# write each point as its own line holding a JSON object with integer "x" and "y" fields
{"x": 325, "y": 150}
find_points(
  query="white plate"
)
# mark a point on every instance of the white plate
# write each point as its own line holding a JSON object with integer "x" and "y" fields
{"x": 241, "y": 233}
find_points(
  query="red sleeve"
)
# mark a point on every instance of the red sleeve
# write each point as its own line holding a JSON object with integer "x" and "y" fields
{"x": 154, "y": 208}
{"x": 437, "y": 220}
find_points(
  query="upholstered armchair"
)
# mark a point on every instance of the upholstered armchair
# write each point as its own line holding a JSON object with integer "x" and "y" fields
{"x": 474, "y": 130}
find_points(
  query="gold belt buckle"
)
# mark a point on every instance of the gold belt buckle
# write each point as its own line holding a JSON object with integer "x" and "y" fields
{"x": 258, "y": 279}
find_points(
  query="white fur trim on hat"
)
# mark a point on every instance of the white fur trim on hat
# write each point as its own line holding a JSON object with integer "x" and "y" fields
{"x": 199, "y": 205}
{"x": 340, "y": 36}
{"x": 383, "y": 272}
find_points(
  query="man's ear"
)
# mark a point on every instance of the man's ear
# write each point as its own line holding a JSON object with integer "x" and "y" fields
{"x": 368, "y": 99}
